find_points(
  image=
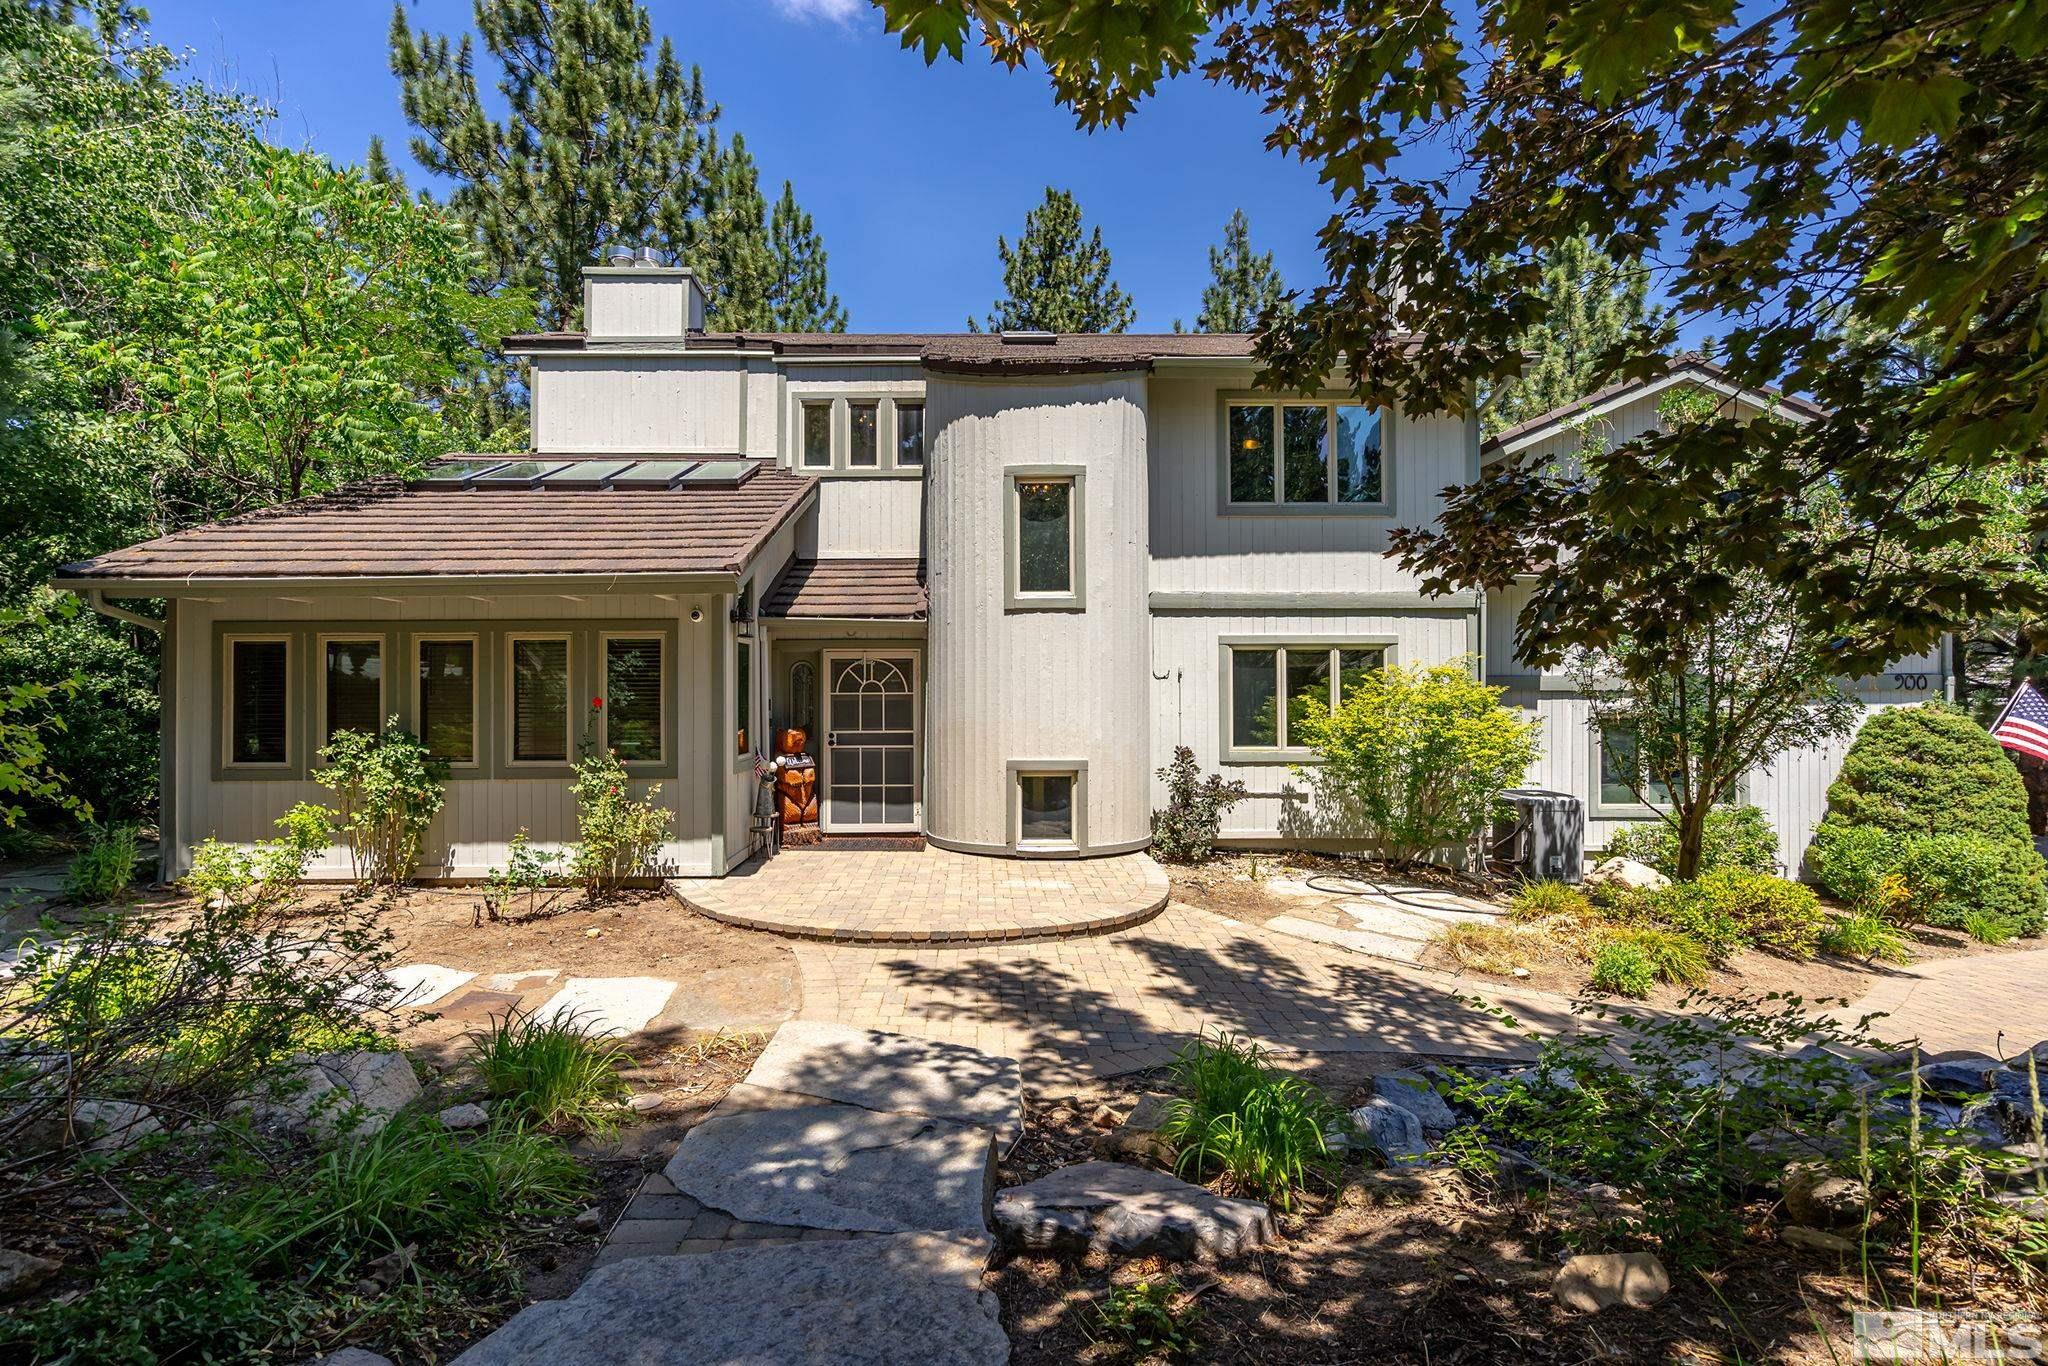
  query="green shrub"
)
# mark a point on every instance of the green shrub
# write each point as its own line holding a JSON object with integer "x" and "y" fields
{"x": 1264, "y": 1130}
{"x": 551, "y": 1072}
{"x": 1149, "y": 1320}
{"x": 527, "y": 873}
{"x": 266, "y": 875}
{"x": 1419, "y": 755}
{"x": 1768, "y": 911}
{"x": 617, "y": 837}
{"x": 1929, "y": 770}
{"x": 1988, "y": 927}
{"x": 1622, "y": 968}
{"x": 1850, "y": 862}
{"x": 1185, "y": 829}
{"x": 1949, "y": 877}
{"x": 1543, "y": 900}
{"x": 1673, "y": 957}
{"x": 388, "y": 789}
{"x": 105, "y": 868}
{"x": 1692, "y": 909}
{"x": 1734, "y": 837}
{"x": 1871, "y": 938}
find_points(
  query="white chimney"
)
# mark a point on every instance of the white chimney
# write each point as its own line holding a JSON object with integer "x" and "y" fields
{"x": 633, "y": 297}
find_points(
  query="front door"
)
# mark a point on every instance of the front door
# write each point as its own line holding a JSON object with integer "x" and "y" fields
{"x": 871, "y": 769}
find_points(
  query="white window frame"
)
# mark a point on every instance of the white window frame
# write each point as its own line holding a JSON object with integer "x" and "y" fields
{"x": 1281, "y": 751}
{"x": 320, "y": 644}
{"x": 475, "y": 763}
{"x": 1598, "y": 804}
{"x": 510, "y": 702}
{"x": 604, "y": 681}
{"x": 1016, "y": 771}
{"x": 1075, "y": 597}
{"x": 838, "y": 404}
{"x": 292, "y": 710}
{"x": 1277, "y": 505}
{"x": 803, "y": 414}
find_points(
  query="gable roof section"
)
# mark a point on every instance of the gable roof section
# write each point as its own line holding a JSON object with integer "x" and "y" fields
{"x": 1683, "y": 368}
{"x": 387, "y": 529}
{"x": 846, "y": 590}
{"x": 955, "y": 352}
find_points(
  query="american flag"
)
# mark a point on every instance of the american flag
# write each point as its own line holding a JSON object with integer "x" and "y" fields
{"x": 2023, "y": 725}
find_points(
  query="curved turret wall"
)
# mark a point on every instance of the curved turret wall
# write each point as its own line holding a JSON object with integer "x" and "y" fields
{"x": 1018, "y": 685}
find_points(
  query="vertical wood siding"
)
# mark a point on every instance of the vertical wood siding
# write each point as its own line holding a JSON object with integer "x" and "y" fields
{"x": 637, "y": 405}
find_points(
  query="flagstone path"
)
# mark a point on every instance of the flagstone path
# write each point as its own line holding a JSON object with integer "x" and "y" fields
{"x": 1995, "y": 1003}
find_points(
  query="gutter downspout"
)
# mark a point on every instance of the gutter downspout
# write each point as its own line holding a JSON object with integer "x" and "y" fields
{"x": 96, "y": 599}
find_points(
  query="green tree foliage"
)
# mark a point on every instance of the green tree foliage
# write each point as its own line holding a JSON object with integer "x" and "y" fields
{"x": 1056, "y": 280}
{"x": 1418, "y": 755}
{"x": 1243, "y": 284}
{"x": 1590, "y": 302}
{"x": 1792, "y": 164}
{"x": 1929, "y": 770}
{"x": 761, "y": 271}
{"x": 802, "y": 299}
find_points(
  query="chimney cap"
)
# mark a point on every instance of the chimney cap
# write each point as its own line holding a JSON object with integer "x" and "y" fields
{"x": 619, "y": 254}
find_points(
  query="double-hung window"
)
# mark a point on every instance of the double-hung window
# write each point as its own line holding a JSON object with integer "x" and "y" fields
{"x": 540, "y": 698}
{"x": 1273, "y": 689}
{"x": 258, "y": 702}
{"x": 1306, "y": 454}
{"x": 634, "y": 685}
{"x": 1043, "y": 539}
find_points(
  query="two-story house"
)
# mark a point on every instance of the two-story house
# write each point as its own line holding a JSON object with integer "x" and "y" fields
{"x": 996, "y": 578}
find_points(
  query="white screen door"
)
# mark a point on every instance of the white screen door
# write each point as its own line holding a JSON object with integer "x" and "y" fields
{"x": 871, "y": 716}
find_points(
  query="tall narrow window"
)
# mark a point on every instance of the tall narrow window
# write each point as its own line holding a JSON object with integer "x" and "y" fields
{"x": 1359, "y": 478}
{"x": 743, "y": 694}
{"x": 1251, "y": 454}
{"x": 354, "y": 684}
{"x": 817, "y": 436}
{"x": 1045, "y": 815}
{"x": 540, "y": 701}
{"x": 633, "y": 698}
{"x": 1045, "y": 540}
{"x": 909, "y": 435}
{"x": 863, "y": 451}
{"x": 1254, "y": 711}
{"x": 258, "y": 693}
{"x": 447, "y": 699}
{"x": 1305, "y": 456}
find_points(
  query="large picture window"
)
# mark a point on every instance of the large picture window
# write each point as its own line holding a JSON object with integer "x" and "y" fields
{"x": 1304, "y": 455}
{"x": 352, "y": 683}
{"x": 447, "y": 699}
{"x": 633, "y": 691}
{"x": 259, "y": 696}
{"x": 1274, "y": 688}
{"x": 540, "y": 699}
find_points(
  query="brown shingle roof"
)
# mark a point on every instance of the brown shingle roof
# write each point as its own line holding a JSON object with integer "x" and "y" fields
{"x": 384, "y": 529}
{"x": 962, "y": 352}
{"x": 1685, "y": 363}
{"x": 841, "y": 589}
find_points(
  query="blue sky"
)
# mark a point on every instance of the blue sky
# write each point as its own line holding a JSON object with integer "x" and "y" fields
{"x": 910, "y": 172}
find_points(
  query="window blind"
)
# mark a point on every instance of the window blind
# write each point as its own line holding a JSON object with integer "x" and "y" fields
{"x": 632, "y": 699}
{"x": 540, "y": 701}
{"x": 259, "y": 684}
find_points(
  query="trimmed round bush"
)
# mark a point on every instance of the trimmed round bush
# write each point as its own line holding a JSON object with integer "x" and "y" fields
{"x": 1851, "y": 862}
{"x": 1949, "y": 878}
{"x": 1929, "y": 770}
{"x": 1735, "y": 837}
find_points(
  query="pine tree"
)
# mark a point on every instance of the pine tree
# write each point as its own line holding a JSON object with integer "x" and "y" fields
{"x": 596, "y": 145}
{"x": 1592, "y": 302}
{"x": 1243, "y": 283}
{"x": 1053, "y": 280}
{"x": 728, "y": 242}
{"x": 377, "y": 167}
{"x": 802, "y": 299}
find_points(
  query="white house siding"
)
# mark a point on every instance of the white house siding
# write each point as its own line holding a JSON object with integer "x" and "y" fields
{"x": 866, "y": 519}
{"x": 638, "y": 405}
{"x": 1188, "y": 697}
{"x": 1035, "y": 685}
{"x": 481, "y": 814}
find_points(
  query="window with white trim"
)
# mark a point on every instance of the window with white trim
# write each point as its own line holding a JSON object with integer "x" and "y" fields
{"x": 352, "y": 686}
{"x": 1045, "y": 537}
{"x": 446, "y": 701}
{"x": 1305, "y": 454}
{"x": 634, "y": 685}
{"x": 1045, "y": 809}
{"x": 259, "y": 702}
{"x": 1307, "y": 678}
{"x": 540, "y": 699}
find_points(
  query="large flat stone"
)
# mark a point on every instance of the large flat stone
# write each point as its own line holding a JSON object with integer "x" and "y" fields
{"x": 897, "y": 1301}
{"x": 882, "y": 1071}
{"x": 1130, "y": 1212}
{"x": 608, "y": 1005}
{"x": 774, "y": 1157}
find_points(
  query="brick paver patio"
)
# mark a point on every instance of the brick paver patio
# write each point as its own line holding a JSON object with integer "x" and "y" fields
{"x": 930, "y": 896}
{"x": 1994, "y": 1003}
{"x": 1111, "y": 1003}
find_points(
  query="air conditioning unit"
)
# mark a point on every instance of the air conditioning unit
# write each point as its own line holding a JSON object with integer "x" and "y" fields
{"x": 1543, "y": 838}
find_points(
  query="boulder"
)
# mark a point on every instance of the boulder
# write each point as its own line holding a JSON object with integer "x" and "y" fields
{"x": 22, "y": 1272}
{"x": 1626, "y": 872}
{"x": 465, "y": 1116}
{"x": 111, "y": 1125}
{"x": 342, "y": 1094}
{"x": 1393, "y": 1129}
{"x": 1592, "y": 1282}
{"x": 1414, "y": 1092}
{"x": 1959, "y": 1074}
{"x": 1818, "y": 1240}
{"x": 1137, "y": 1138}
{"x": 1128, "y": 1212}
{"x": 1818, "y": 1198}
{"x": 2039, "y": 1053}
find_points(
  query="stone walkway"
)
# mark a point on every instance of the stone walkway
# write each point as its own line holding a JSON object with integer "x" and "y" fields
{"x": 929, "y": 896}
{"x": 1071, "y": 1009}
{"x": 1393, "y": 919}
{"x": 614, "y": 1006}
{"x": 845, "y": 1189}
{"x": 1994, "y": 1003}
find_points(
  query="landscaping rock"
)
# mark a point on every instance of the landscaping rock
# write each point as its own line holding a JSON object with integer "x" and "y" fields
{"x": 646, "y": 1102}
{"x": 1818, "y": 1240}
{"x": 2039, "y": 1053}
{"x": 895, "y": 1072}
{"x": 913, "y": 1297}
{"x": 768, "y": 1157}
{"x": 1819, "y": 1198}
{"x": 1595, "y": 1281}
{"x": 381, "y": 1083}
{"x": 343, "y": 1094}
{"x": 590, "y": 1220}
{"x": 1137, "y": 1138}
{"x": 111, "y": 1125}
{"x": 1393, "y": 1129}
{"x": 1128, "y": 1212}
{"x": 350, "y": 1356}
{"x": 466, "y": 1116}
{"x": 1626, "y": 872}
{"x": 22, "y": 1272}
{"x": 1960, "y": 1074}
{"x": 1413, "y": 1092}
{"x": 2027, "y": 1206}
